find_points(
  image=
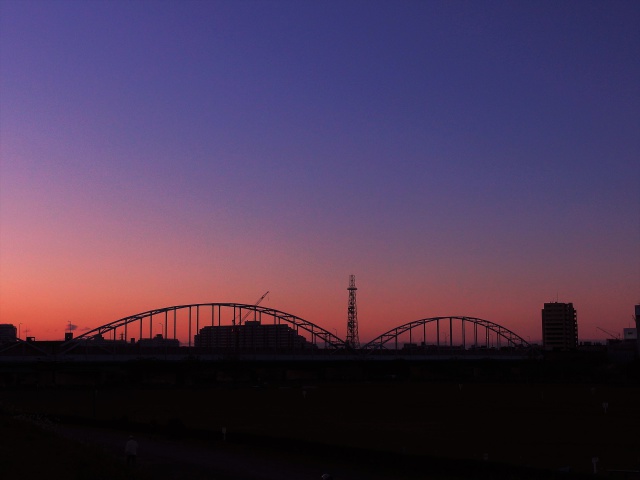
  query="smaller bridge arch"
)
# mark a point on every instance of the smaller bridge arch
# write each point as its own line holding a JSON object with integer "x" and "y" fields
{"x": 465, "y": 334}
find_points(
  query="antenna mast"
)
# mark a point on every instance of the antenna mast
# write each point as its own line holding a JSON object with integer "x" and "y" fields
{"x": 352, "y": 315}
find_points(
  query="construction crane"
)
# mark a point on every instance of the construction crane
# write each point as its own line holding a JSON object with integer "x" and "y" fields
{"x": 244, "y": 317}
{"x": 612, "y": 335}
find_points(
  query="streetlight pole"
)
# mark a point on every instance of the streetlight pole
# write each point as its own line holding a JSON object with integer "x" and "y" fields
{"x": 19, "y": 328}
{"x": 161, "y": 329}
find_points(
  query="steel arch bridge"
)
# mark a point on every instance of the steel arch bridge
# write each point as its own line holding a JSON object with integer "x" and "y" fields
{"x": 196, "y": 316}
{"x": 187, "y": 321}
{"x": 490, "y": 330}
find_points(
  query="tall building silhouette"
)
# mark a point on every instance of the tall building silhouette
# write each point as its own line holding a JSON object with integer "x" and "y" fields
{"x": 636, "y": 317}
{"x": 7, "y": 333}
{"x": 559, "y": 326}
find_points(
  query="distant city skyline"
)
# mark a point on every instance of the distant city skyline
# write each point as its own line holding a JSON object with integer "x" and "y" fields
{"x": 459, "y": 158}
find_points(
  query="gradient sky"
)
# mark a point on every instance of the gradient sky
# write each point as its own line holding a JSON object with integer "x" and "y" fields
{"x": 459, "y": 157}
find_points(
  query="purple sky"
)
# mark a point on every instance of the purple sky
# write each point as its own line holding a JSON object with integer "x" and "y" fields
{"x": 460, "y": 158}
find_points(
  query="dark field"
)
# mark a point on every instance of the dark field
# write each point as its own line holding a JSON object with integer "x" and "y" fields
{"x": 31, "y": 450}
{"x": 555, "y": 426}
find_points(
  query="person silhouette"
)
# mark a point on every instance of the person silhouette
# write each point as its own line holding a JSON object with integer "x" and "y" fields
{"x": 131, "y": 450}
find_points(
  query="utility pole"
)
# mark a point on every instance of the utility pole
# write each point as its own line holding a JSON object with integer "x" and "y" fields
{"x": 352, "y": 316}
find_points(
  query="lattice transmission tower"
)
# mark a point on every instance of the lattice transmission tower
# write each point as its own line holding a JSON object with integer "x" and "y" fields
{"x": 352, "y": 315}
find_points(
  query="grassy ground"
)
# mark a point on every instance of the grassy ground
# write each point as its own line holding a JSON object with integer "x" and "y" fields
{"x": 32, "y": 450}
{"x": 551, "y": 426}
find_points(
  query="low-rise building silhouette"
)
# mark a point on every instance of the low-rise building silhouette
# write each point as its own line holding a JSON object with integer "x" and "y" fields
{"x": 159, "y": 341}
{"x": 251, "y": 335}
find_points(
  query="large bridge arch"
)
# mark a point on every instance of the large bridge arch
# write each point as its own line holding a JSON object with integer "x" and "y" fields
{"x": 187, "y": 320}
{"x": 493, "y": 335}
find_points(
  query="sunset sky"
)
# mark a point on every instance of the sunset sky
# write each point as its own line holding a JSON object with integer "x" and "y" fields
{"x": 473, "y": 158}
